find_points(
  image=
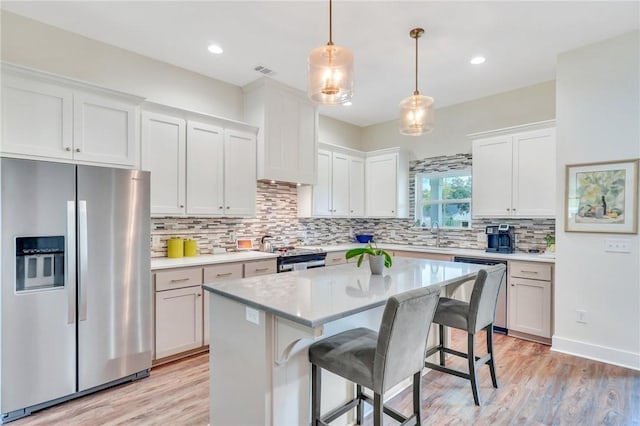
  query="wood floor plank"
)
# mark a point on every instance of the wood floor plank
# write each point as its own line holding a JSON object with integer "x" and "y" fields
{"x": 537, "y": 387}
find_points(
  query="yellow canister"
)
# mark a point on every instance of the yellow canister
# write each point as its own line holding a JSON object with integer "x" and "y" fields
{"x": 175, "y": 247}
{"x": 190, "y": 248}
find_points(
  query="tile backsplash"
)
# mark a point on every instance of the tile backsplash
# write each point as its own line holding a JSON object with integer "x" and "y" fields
{"x": 276, "y": 215}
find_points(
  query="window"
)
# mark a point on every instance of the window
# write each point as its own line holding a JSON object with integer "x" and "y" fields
{"x": 444, "y": 198}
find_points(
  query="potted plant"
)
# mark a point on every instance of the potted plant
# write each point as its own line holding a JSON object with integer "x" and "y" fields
{"x": 378, "y": 258}
{"x": 551, "y": 243}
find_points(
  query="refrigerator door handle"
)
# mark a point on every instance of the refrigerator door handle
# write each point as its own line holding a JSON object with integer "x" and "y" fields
{"x": 82, "y": 259}
{"x": 70, "y": 257}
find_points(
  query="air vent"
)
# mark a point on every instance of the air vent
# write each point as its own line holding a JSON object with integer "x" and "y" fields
{"x": 264, "y": 70}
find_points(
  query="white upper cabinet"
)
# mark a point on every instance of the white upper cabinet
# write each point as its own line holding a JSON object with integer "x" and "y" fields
{"x": 339, "y": 190}
{"x": 287, "y": 139}
{"x": 198, "y": 168}
{"x": 387, "y": 186}
{"x": 54, "y": 118}
{"x": 514, "y": 172}
{"x": 163, "y": 154}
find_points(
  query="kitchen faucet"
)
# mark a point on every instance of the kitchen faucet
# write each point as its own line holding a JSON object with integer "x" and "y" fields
{"x": 437, "y": 232}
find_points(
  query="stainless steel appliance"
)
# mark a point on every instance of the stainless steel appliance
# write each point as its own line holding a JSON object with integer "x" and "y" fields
{"x": 76, "y": 291}
{"x": 292, "y": 258}
{"x": 500, "y": 324}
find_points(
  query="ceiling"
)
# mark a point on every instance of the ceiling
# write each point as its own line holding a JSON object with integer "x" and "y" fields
{"x": 520, "y": 40}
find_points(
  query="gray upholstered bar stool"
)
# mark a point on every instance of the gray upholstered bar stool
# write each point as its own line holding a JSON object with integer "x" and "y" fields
{"x": 479, "y": 314}
{"x": 378, "y": 361}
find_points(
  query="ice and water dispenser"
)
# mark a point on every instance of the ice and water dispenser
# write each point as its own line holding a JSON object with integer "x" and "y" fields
{"x": 39, "y": 263}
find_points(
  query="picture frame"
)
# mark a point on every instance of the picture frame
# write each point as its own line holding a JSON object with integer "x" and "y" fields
{"x": 602, "y": 197}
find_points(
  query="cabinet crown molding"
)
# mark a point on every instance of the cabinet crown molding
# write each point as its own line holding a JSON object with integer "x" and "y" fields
{"x": 513, "y": 129}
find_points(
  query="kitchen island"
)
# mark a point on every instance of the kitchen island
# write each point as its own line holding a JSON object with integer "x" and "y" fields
{"x": 261, "y": 327}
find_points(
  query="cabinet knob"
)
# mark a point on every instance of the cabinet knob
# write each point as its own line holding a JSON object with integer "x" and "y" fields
{"x": 199, "y": 294}
{"x": 513, "y": 209}
{"x": 228, "y": 207}
{"x": 181, "y": 206}
{"x": 67, "y": 148}
{"x": 351, "y": 211}
{"x": 220, "y": 207}
{"x": 77, "y": 149}
{"x": 513, "y": 285}
{"x": 508, "y": 209}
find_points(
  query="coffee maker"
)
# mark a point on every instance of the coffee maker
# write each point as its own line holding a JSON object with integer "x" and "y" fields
{"x": 500, "y": 238}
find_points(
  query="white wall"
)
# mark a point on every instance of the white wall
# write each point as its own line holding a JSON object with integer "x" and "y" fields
{"x": 453, "y": 124}
{"x": 598, "y": 107}
{"x": 33, "y": 44}
{"x": 338, "y": 132}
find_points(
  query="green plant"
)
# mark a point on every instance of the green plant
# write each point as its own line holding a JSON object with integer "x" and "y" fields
{"x": 549, "y": 239}
{"x": 371, "y": 251}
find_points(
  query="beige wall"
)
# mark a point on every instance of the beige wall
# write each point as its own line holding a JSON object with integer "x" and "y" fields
{"x": 598, "y": 105}
{"x": 32, "y": 44}
{"x": 338, "y": 132}
{"x": 453, "y": 124}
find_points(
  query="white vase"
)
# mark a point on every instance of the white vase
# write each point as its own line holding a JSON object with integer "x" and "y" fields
{"x": 376, "y": 263}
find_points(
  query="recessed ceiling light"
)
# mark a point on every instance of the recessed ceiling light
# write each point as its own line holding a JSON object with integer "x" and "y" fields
{"x": 214, "y": 48}
{"x": 478, "y": 60}
{"x": 348, "y": 103}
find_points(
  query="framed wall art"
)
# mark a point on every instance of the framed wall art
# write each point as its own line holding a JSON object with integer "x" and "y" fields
{"x": 602, "y": 197}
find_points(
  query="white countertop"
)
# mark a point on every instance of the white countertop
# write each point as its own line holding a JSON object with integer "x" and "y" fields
{"x": 209, "y": 259}
{"x": 316, "y": 296}
{"x": 453, "y": 251}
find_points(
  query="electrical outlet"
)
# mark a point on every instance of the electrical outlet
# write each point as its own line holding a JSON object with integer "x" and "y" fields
{"x": 155, "y": 240}
{"x": 302, "y": 234}
{"x": 480, "y": 237}
{"x": 616, "y": 246}
{"x": 393, "y": 234}
{"x": 253, "y": 315}
{"x": 581, "y": 316}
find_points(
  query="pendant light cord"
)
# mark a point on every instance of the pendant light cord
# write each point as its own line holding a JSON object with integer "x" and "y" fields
{"x": 416, "y": 91}
{"x": 330, "y": 24}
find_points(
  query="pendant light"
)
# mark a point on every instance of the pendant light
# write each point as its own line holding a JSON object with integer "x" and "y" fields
{"x": 416, "y": 111}
{"x": 330, "y": 72}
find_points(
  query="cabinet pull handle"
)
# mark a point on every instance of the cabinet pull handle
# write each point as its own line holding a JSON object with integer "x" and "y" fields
{"x": 260, "y": 269}
{"x": 226, "y": 274}
{"x": 529, "y": 272}
{"x": 181, "y": 280}
{"x": 67, "y": 148}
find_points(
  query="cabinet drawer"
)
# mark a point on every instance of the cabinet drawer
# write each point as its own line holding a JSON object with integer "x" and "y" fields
{"x": 178, "y": 278}
{"x": 533, "y": 271}
{"x": 335, "y": 258}
{"x": 261, "y": 267}
{"x": 221, "y": 272}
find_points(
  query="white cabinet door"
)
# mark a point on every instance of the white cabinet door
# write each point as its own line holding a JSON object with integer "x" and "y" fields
{"x": 381, "y": 185}
{"x": 534, "y": 174}
{"x": 178, "y": 320}
{"x": 492, "y": 164}
{"x": 306, "y": 141}
{"x": 105, "y": 130}
{"x": 164, "y": 150}
{"x": 529, "y": 306}
{"x": 205, "y": 169}
{"x": 37, "y": 119}
{"x": 340, "y": 184}
{"x": 239, "y": 173}
{"x": 322, "y": 205}
{"x": 356, "y": 187}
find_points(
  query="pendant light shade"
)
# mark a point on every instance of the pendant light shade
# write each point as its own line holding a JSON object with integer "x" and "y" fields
{"x": 416, "y": 111}
{"x": 330, "y": 72}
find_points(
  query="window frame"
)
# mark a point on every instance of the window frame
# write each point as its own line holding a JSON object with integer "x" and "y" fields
{"x": 420, "y": 203}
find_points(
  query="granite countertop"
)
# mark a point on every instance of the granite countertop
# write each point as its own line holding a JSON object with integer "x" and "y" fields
{"x": 453, "y": 251}
{"x": 209, "y": 259}
{"x": 317, "y": 296}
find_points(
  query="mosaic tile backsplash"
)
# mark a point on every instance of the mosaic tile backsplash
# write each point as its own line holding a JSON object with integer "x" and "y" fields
{"x": 276, "y": 215}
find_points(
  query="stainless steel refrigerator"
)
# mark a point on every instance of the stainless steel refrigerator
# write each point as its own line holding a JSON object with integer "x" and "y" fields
{"x": 76, "y": 289}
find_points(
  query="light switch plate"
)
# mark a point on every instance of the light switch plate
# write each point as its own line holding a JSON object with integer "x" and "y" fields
{"x": 253, "y": 315}
{"x": 616, "y": 246}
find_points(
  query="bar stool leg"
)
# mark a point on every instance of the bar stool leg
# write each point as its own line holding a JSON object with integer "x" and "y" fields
{"x": 441, "y": 338}
{"x": 360, "y": 409}
{"x": 492, "y": 366}
{"x": 377, "y": 409}
{"x": 417, "y": 396}
{"x": 472, "y": 367}
{"x": 315, "y": 394}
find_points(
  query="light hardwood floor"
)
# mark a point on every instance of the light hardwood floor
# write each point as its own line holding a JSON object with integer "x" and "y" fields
{"x": 537, "y": 387}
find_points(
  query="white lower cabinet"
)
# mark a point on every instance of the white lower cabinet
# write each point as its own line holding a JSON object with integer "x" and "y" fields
{"x": 529, "y": 300}
{"x": 178, "y": 320}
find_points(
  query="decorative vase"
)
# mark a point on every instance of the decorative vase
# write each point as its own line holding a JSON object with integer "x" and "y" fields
{"x": 376, "y": 263}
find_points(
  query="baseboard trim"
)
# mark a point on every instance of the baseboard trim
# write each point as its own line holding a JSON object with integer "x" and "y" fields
{"x": 596, "y": 352}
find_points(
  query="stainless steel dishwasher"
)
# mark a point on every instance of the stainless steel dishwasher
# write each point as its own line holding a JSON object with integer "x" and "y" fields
{"x": 500, "y": 324}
